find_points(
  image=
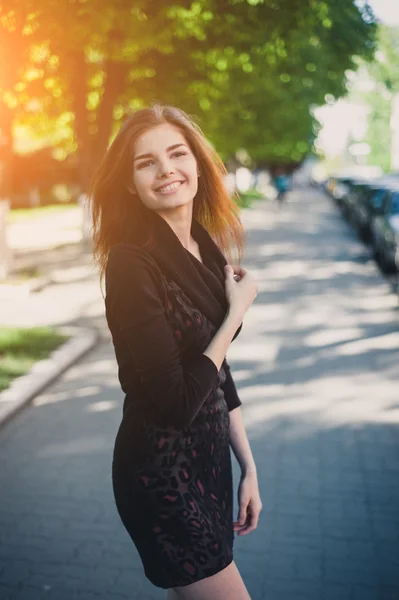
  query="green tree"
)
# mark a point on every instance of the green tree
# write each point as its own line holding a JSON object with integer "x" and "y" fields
{"x": 15, "y": 51}
{"x": 246, "y": 69}
{"x": 383, "y": 76}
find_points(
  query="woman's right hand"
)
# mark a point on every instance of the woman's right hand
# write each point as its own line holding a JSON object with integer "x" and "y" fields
{"x": 241, "y": 289}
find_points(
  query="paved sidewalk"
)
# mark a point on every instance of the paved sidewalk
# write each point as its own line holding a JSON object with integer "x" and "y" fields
{"x": 316, "y": 365}
{"x": 50, "y": 228}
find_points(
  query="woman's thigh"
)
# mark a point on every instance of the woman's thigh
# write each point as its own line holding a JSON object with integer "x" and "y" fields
{"x": 227, "y": 583}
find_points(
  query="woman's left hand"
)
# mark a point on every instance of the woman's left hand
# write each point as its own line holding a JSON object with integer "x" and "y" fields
{"x": 249, "y": 503}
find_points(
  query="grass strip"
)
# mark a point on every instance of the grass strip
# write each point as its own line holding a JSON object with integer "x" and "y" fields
{"x": 247, "y": 198}
{"x": 20, "y": 348}
{"x": 16, "y": 215}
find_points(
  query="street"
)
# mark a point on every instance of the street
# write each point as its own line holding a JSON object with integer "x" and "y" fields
{"x": 316, "y": 366}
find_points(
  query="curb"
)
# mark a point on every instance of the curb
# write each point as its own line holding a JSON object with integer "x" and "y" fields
{"x": 23, "y": 389}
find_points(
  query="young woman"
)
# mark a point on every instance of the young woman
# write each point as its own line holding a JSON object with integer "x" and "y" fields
{"x": 173, "y": 306}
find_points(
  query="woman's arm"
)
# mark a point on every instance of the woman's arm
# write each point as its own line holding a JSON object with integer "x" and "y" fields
{"x": 175, "y": 390}
{"x": 239, "y": 442}
{"x": 249, "y": 502}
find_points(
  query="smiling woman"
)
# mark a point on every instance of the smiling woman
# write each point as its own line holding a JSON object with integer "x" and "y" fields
{"x": 173, "y": 309}
{"x": 150, "y": 145}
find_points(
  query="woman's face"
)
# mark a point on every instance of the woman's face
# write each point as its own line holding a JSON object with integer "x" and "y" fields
{"x": 166, "y": 177}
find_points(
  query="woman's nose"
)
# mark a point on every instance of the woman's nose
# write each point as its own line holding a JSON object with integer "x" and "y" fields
{"x": 165, "y": 168}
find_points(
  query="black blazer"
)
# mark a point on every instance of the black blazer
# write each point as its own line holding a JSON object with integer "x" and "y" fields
{"x": 152, "y": 370}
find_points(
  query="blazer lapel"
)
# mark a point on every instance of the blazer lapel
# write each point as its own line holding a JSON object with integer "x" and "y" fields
{"x": 201, "y": 282}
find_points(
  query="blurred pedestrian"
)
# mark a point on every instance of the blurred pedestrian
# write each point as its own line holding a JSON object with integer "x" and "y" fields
{"x": 173, "y": 306}
{"x": 281, "y": 183}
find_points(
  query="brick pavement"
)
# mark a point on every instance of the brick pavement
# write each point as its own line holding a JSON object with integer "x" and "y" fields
{"x": 316, "y": 366}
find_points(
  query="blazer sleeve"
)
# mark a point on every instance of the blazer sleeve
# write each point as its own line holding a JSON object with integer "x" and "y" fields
{"x": 229, "y": 389}
{"x": 175, "y": 391}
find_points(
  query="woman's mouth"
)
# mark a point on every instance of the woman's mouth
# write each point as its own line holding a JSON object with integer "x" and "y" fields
{"x": 169, "y": 189}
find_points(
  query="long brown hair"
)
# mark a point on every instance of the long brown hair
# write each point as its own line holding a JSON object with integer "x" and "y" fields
{"x": 115, "y": 211}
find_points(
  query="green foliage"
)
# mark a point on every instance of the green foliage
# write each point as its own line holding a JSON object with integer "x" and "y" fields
{"x": 249, "y": 197}
{"x": 383, "y": 73}
{"x": 247, "y": 70}
{"x": 378, "y": 134}
{"x": 385, "y": 68}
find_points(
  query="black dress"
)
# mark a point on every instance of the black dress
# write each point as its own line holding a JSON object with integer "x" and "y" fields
{"x": 171, "y": 469}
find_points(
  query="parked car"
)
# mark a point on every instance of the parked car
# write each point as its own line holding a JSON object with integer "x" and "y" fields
{"x": 338, "y": 187}
{"x": 348, "y": 203}
{"x": 385, "y": 232}
{"x": 369, "y": 200}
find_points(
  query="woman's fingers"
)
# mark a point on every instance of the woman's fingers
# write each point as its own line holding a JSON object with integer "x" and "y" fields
{"x": 254, "y": 518}
{"x": 242, "y": 515}
{"x": 251, "y": 521}
{"x": 239, "y": 270}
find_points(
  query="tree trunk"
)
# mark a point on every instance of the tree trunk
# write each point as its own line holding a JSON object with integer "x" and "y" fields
{"x": 115, "y": 79}
{"x": 6, "y": 152}
{"x": 5, "y": 252}
{"x": 79, "y": 89}
{"x": 6, "y": 185}
{"x": 92, "y": 146}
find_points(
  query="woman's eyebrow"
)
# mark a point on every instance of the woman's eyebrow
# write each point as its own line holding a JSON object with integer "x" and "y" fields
{"x": 149, "y": 153}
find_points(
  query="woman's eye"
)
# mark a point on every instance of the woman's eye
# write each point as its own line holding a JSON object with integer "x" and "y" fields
{"x": 147, "y": 162}
{"x": 144, "y": 164}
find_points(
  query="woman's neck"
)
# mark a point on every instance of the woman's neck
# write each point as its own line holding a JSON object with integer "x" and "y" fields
{"x": 180, "y": 222}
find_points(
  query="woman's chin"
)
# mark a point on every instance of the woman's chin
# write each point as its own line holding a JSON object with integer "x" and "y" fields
{"x": 174, "y": 203}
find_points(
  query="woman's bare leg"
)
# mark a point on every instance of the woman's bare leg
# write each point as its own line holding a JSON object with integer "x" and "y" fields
{"x": 225, "y": 584}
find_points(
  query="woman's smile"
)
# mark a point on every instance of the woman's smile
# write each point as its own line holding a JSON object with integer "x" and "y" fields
{"x": 170, "y": 189}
